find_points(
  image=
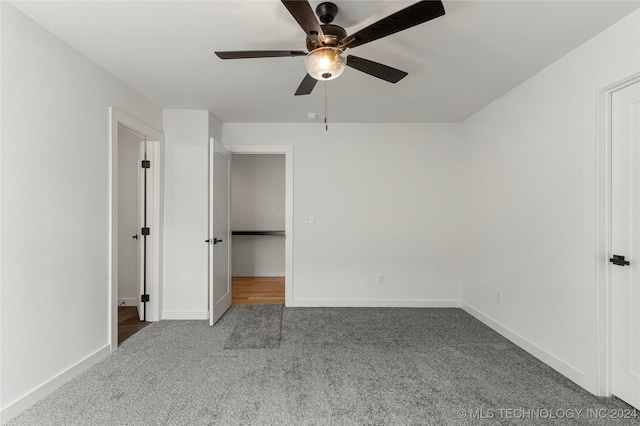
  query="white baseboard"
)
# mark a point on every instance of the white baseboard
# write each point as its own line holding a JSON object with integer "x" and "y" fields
{"x": 376, "y": 303}
{"x": 258, "y": 274}
{"x": 127, "y": 301}
{"x": 188, "y": 315}
{"x": 30, "y": 398}
{"x": 551, "y": 360}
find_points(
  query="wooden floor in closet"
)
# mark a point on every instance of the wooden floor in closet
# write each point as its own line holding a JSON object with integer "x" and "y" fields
{"x": 129, "y": 322}
{"x": 257, "y": 290}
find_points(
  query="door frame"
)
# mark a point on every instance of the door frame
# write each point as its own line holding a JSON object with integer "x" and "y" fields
{"x": 154, "y": 273}
{"x": 603, "y": 232}
{"x": 287, "y": 150}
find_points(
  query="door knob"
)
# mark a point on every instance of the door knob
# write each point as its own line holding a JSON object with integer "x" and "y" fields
{"x": 216, "y": 241}
{"x": 207, "y": 241}
{"x": 618, "y": 260}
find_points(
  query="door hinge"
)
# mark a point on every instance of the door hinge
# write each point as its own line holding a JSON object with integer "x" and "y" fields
{"x": 144, "y": 298}
{"x": 146, "y": 164}
{"x": 144, "y": 231}
{"x": 618, "y": 260}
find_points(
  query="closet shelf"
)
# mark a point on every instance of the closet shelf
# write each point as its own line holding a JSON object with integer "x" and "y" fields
{"x": 276, "y": 233}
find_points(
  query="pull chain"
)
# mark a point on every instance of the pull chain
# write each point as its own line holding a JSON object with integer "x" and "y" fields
{"x": 326, "y": 107}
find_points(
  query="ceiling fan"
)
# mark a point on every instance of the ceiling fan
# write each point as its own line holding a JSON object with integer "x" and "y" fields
{"x": 327, "y": 42}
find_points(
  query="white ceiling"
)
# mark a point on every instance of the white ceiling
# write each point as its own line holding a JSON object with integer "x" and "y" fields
{"x": 457, "y": 63}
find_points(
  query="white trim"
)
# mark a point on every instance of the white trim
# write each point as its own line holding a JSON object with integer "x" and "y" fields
{"x": 35, "y": 395}
{"x": 603, "y": 232}
{"x": 376, "y": 303}
{"x": 127, "y": 301}
{"x": 154, "y": 289}
{"x": 287, "y": 150}
{"x": 185, "y": 315}
{"x": 551, "y": 360}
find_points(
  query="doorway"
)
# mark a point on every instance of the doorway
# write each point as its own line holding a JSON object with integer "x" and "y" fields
{"x": 257, "y": 221}
{"x": 281, "y": 232}
{"x": 145, "y": 155}
{"x": 133, "y": 185}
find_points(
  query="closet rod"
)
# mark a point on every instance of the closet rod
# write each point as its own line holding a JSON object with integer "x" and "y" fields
{"x": 277, "y": 233}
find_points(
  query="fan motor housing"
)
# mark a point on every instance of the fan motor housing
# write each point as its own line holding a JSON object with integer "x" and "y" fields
{"x": 333, "y": 36}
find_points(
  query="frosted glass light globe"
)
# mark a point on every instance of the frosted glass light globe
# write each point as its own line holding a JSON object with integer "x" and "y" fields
{"x": 325, "y": 63}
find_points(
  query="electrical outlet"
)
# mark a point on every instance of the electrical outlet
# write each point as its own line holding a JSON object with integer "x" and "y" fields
{"x": 311, "y": 220}
{"x": 279, "y": 218}
{"x": 380, "y": 279}
{"x": 498, "y": 297}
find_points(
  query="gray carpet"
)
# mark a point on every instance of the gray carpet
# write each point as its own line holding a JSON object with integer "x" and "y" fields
{"x": 334, "y": 366}
{"x": 257, "y": 328}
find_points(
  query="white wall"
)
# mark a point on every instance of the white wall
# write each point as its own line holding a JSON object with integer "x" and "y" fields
{"x": 257, "y": 199}
{"x": 530, "y": 195}
{"x": 128, "y": 168}
{"x": 54, "y": 218}
{"x": 187, "y": 133}
{"x": 385, "y": 200}
{"x": 258, "y": 256}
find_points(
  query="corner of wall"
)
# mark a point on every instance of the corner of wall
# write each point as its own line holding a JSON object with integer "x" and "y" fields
{"x": 548, "y": 358}
{"x": 215, "y": 127}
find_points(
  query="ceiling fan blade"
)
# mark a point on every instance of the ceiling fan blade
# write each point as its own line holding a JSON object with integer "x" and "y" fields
{"x": 303, "y": 14}
{"x": 413, "y": 15}
{"x": 307, "y": 85}
{"x": 245, "y": 54}
{"x": 384, "y": 72}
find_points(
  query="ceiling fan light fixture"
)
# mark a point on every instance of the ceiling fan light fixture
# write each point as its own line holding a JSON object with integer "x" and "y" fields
{"x": 325, "y": 63}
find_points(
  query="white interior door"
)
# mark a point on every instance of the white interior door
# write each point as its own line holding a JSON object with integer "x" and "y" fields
{"x": 625, "y": 242}
{"x": 219, "y": 232}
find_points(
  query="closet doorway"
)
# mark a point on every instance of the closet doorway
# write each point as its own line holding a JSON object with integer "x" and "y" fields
{"x": 132, "y": 216}
{"x": 261, "y": 222}
{"x": 257, "y": 224}
{"x": 135, "y": 251}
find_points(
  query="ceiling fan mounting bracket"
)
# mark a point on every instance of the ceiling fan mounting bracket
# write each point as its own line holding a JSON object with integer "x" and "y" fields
{"x": 326, "y": 12}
